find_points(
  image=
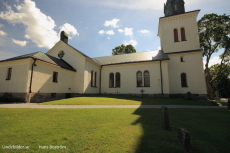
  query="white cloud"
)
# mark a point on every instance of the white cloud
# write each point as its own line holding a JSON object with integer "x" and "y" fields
{"x": 120, "y": 30}
{"x": 128, "y": 31}
{"x": 110, "y": 32}
{"x": 159, "y": 48}
{"x": 101, "y": 32}
{"x": 39, "y": 27}
{"x": 144, "y": 31}
{"x": 132, "y": 42}
{"x": 68, "y": 28}
{"x": 108, "y": 38}
{"x": 18, "y": 42}
{"x": 112, "y": 23}
{"x": 1, "y": 25}
{"x": 2, "y": 33}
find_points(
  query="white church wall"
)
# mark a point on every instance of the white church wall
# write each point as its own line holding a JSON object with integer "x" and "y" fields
{"x": 129, "y": 80}
{"x": 166, "y": 32}
{"x": 76, "y": 60}
{"x": 91, "y": 66}
{"x": 19, "y": 76}
{"x": 193, "y": 67}
{"x": 43, "y": 79}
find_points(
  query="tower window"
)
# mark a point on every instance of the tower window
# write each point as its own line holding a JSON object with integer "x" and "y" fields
{"x": 176, "y": 35}
{"x": 183, "y": 80}
{"x": 175, "y": 7}
{"x": 182, "y": 59}
{"x": 182, "y": 31}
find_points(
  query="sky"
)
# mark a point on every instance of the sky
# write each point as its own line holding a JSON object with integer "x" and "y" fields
{"x": 95, "y": 27}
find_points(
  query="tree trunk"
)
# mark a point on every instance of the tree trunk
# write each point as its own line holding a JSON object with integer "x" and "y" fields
{"x": 209, "y": 86}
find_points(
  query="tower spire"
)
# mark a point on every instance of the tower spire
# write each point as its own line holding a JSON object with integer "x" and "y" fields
{"x": 174, "y": 7}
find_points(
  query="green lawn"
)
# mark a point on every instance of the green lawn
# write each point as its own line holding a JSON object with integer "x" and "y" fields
{"x": 125, "y": 100}
{"x": 113, "y": 130}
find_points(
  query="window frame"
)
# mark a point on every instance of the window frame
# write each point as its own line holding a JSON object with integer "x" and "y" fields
{"x": 9, "y": 74}
{"x": 95, "y": 79}
{"x": 139, "y": 79}
{"x": 111, "y": 80}
{"x": 176, "y": 38}
{"x": 55, "y": 77}
{"x": 118, "y": 82}
{"x": 182, "y": 59}
{"x": 182, "y": 32}
{"x": 53, "y": 95}
{"x": 145, "y": 81}
{"x": 92, "y": 78}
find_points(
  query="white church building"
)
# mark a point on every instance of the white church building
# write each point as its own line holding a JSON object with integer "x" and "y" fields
{"x": 65, "y": 72}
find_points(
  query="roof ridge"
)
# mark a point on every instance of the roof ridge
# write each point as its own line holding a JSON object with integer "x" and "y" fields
{"x": 126, "y": 54}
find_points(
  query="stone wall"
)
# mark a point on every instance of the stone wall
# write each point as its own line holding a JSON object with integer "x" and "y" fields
{"x": 13, "y": 97}
{"x": 44, "y": 97}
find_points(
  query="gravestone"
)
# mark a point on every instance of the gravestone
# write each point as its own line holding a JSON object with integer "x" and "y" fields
{"x": 188, "y": 96}
{"x": 184, "y": 138}
{"x": 165, "y": 118}
{"x": 142, "y": 91}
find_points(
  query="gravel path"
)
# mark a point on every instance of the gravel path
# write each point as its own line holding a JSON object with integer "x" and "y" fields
{"x": 34, "y": 105}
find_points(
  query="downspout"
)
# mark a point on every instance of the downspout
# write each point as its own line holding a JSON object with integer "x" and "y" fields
{"x": 100, "y": 82}
{"x": 162, "y": 93}
{"x": 31, "y": 77}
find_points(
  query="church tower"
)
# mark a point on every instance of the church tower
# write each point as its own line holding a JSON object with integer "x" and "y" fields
{"x": 178, "y": 30}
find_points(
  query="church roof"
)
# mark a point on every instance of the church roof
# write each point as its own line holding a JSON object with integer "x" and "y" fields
{"x": 147, "y": 56}
{"x": 45, "y": 58}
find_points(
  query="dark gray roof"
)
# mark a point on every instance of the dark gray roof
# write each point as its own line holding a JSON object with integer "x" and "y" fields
{"x": 45, "y": 58}
{"x": 160, "y": 56}
{"x": 133, "y": 58}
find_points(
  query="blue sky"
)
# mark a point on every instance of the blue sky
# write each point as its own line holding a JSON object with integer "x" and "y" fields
{"x": 95, "y": 27}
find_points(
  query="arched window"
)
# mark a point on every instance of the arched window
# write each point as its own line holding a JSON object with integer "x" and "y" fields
{"x": 182, "y": 31}
{"x": 95, "y": 79}
{"x": 139, "y": 79}
{"x": 92, "y": 78}
{"x": 176, "y": 35}
{"x": 183, "y": 80}
{"x": 146, "y": 79}
{"x": 111, "y": 80}
{"x": 118, "y": 79}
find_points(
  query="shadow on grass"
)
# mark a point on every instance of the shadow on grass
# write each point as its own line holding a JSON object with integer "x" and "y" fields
{"x": 208, "y": 129}
{"x": 161, "y": 101}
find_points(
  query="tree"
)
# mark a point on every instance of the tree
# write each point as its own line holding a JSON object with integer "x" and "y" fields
{"x": 222, "y": 82}
{"x": 214, "y": 31}
{"x": 123, "y": 49}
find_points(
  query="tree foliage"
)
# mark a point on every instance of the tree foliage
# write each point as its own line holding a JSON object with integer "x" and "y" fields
{"x": 214, "y": 31}
{"x": 123, "y": 49}
{"x": 222, "y": 82}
